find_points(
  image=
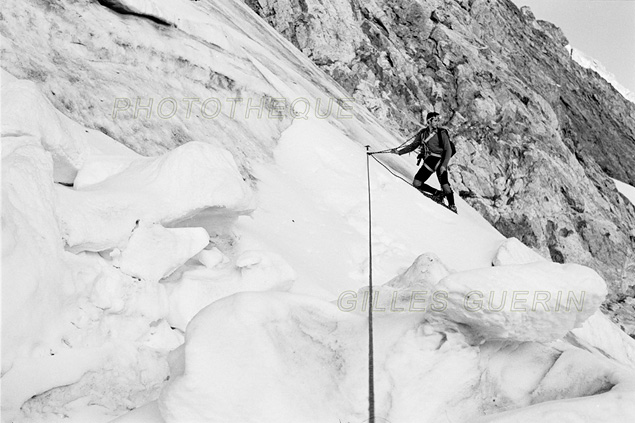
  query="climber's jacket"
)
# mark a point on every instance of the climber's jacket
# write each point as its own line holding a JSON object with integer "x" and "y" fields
{"x": 438, "y": 144}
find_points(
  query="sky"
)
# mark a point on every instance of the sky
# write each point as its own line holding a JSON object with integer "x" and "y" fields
{"x": 603, "y": 29}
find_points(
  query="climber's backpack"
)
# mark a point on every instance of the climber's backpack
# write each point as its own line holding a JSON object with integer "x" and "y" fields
{"x": 452, "y": 146}
{"x": 425, "y": 151}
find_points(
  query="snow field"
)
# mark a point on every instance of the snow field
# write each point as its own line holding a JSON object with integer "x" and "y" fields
{"x": 317, "y": 191}
{"x": 302, "y": 351}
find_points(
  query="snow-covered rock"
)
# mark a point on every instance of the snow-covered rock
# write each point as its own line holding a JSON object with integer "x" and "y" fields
{"x": 539, "y": 301}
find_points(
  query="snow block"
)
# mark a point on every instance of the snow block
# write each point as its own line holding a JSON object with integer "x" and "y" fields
{"x": 592, "y": 376}
{"x": 194, "y": 287}
{"x": 579, "y": 387}
{"x": 148, "y": 413}
{"x": 101, "y": 167}
{"x": 599, "y": 333}
{"x": 212, "y": 258}
{"x": 512, "y": 371}
{"x": 166, "y": 190}
{"x": 34, "y": 274}
{"x": 283, "y": 358}
{"x": 412, "y": 290}
{"x": 153, "y": 252}
{"x": 427, "y": 270}
{"x": 105, "y": 158}
{"x": 27, "y": 113}
{"x": 512, "y": 251}
{"x": 269, "y": 357}
{"x": 30, "y": 377}
{"x": 532, "y": 302}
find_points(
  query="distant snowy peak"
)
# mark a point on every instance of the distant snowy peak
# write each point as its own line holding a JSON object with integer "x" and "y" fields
{"x": 626, "y": 190}
{"x": 590, "y": 63}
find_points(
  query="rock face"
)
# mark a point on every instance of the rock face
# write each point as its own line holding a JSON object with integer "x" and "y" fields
{"x": 538, "y": 136}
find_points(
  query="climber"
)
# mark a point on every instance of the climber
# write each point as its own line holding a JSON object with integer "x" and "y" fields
{"x": 435, "y": 151}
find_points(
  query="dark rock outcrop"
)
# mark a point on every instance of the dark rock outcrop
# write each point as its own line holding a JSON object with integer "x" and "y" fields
{"x": 539, "y": 137}
{"x": 126, "y": 9}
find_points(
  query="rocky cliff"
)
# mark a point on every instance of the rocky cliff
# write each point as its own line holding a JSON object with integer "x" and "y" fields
{"x": 539, "y": 137}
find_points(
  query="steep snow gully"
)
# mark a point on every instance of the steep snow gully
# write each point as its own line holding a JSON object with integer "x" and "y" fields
{"x": 205, "y": 284}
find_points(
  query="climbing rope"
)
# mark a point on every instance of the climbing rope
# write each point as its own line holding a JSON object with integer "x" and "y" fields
{"x": 371, "y": 358}
{"x": 390, "y": 150}
{"x": 386, "y": 167}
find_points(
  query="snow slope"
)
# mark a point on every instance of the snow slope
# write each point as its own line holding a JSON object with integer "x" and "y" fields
{"x": 172, "y": 277}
